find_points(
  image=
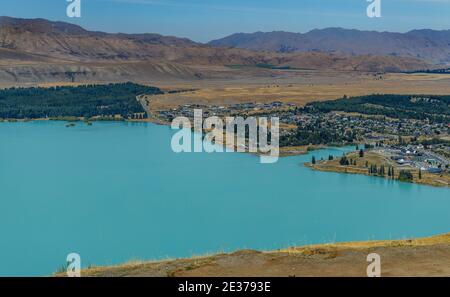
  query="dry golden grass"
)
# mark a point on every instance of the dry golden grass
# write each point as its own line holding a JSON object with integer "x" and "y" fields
{"x": 408, "y": 257}
{"x": 432, "y": 240}
{"x": 298, "y": 88}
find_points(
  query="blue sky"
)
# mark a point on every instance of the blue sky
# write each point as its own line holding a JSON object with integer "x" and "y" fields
{"x": 204, "y": 20}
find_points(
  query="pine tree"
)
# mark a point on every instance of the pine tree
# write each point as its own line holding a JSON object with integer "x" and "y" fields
{"x": 405, "y": 175}
{"x": 361, "y": 153}
{"x": 344, "y": 161}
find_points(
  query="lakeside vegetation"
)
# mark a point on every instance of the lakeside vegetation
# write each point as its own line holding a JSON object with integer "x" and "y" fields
{"x": 375, "y": 164}
{"x": 87, "y": 101}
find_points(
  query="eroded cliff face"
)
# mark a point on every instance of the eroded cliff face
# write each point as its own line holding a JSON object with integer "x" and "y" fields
{"x": 69, "y": 72}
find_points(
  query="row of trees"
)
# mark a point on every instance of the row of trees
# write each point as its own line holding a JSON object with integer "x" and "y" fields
{"x": 406, "y": 175}
{"x": 403, "y": 175}
{"x": 432, "y": 107}
{"x": 344, "y": 161}
{"x": 381, "y": 171}
{"x": 374, "y": 169}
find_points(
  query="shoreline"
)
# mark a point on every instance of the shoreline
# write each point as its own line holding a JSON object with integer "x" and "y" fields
{"x": 284, "y": 151}
{"x": 428, "y": 179}
{"x": 321, "y": 165}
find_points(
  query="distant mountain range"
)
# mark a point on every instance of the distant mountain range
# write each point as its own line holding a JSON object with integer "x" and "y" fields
{"x": 40, "y": 50}
{"x": 430, "y": 45}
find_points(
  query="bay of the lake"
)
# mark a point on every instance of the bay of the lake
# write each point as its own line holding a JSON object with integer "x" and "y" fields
{"x": 115, "y": 191}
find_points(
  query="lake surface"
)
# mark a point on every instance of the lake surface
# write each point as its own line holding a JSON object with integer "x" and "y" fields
{"x": 115, "y": 192}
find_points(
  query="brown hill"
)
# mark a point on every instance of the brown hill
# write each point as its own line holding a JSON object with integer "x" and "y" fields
{"x": 34, "y": 50}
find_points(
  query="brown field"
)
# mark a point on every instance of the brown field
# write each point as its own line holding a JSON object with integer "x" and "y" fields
{"x": 297, "y": 87}
{"x": 223, "y": 86}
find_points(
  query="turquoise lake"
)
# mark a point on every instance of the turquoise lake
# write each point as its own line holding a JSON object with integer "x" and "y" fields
{"x": 115, "y": 192}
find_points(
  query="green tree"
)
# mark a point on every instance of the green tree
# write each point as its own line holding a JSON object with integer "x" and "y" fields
{"x": 405, "y": 175}
{"x": 344, "y": 161}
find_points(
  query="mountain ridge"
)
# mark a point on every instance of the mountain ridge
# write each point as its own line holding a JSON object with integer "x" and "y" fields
{"x": 39, "y": 49}
{"x": 427, "y": 44}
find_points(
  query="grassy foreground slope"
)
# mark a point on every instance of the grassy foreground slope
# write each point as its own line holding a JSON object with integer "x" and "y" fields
{"x": 417, "y": 257}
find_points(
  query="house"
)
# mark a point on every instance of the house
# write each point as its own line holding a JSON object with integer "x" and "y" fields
{"x": 403, "y": 162}
{"x": 434, "y": 170}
